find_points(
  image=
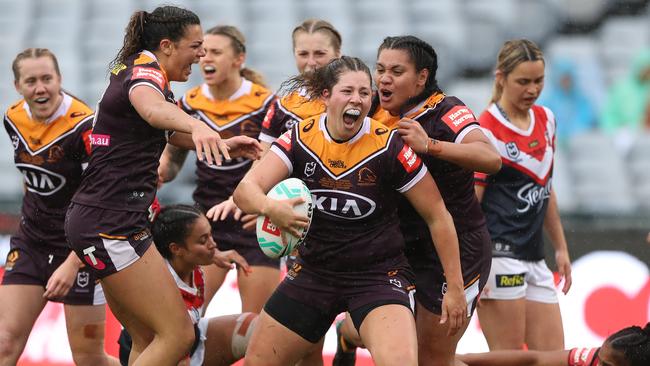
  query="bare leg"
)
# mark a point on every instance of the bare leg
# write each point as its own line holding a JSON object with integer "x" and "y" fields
{"x": 20, "y": 306}
{"x": 287, "y": 347}
{"x": 145, "y": 299}
{"x": 257, "y": 287}
{"x": 544, "y": 330}
{"x": 214, "y": 277}
{"x": 434, "y": 346}
{"x": 503, "y": 323}
{"x": 85, "y": 325}
{"x": 389, "y": 334}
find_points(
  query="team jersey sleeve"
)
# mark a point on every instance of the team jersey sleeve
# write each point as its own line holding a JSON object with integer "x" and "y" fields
{"x": 283, "y": 148}
{"x": 270, "y": 130}
{"x": 583, "y": 357}
{"x": 83, "y": 141}
{"x": 148, "y": 75}
{"x": 406, "y": 166}
{"x": 457, "y": 122}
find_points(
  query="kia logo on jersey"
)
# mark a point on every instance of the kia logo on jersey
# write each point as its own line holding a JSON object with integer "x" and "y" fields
{"x": 41, "y": 181}
{"x": 344, "y": 205}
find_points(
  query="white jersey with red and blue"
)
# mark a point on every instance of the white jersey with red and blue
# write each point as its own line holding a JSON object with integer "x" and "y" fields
{"x": 516, "y": 198}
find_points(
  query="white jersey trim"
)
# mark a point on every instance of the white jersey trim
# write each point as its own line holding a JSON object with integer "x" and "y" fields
{"x": 283, "y": 157}
{"x": 418, "y": 177}
{"x": 146, "y": 84}
{"x": 494, "y": 110}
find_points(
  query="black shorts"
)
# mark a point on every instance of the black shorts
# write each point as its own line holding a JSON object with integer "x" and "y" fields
{"x": 229, "y": 234}
{"x": 33, "y": 265}
{"x": 475, "y": 260}
{"x": 107, "y": 241}
{"x": 308, "y": 301}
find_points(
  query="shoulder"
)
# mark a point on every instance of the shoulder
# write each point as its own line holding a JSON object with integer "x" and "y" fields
{"x": 258, "y": 97}
{"x": 79, "y": 111}
{"x": 193, "y": 98}
{"x": 16, "y": 110}
{"x": 455, "y": 114}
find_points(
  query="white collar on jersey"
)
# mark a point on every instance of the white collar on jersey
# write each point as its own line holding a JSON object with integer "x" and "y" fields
{"x": 180, "y": 283}
{"x": 244, "y": 89}
{"x": 63, "y": 108}
{"x": 416, "y": 108}
{"x": 365, "y": 128}
{"x": 150, "y": 54}
{"x": 494, "y": 110}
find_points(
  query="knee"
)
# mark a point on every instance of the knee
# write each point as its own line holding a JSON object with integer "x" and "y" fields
{"x": 89, "y": 358}
{"x": 392, "y": 357}
{"x": 10, "y": 345}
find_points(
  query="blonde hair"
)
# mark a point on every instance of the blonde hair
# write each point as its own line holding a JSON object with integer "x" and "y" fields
{"x": 512, "y": 53}
{"x": 313, "y": 25}
{"x": 238, "y": 43}
{"x": 33, "y": 53}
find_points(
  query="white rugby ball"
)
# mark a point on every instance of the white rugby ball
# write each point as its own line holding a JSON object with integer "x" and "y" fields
{"x": 271, "y": 240}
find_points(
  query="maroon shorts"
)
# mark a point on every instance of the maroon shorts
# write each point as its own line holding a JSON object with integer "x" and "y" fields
{"x": 33, "y": 265}
{"x": 475, "y": 260}
{"x": 319, "y": 296}
{"x": 107, "y": 241}
{"x": 229, "y": 234}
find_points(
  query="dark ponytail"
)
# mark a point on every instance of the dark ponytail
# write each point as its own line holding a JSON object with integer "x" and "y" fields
{"x": 423, "y": 57}
{"x": 173, "y": 225}
{"x": 146, "y": 30}
{"x": 634, "y": 343}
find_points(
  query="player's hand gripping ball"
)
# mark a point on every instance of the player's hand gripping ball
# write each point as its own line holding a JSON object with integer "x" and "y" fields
{"x": 273, "y": 242}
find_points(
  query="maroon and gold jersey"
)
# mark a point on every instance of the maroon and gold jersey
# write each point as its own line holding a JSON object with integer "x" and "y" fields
{"x": 123, "y": 169}
{"x": 241, "y": 114}
{"x": 50, "y": 156}
{"x": 286, "y": 112}
{"x": 354, "y": 186}
{"x": 444, "y": 118}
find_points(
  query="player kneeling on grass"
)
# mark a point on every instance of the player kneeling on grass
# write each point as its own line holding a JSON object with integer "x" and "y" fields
{"x": 183, "y": 237}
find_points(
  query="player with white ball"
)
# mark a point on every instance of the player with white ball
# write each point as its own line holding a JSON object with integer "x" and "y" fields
{"x": 352, "y": 257}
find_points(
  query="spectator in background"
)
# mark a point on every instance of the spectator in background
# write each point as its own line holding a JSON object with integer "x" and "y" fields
{"x": 564, "y": 96}
{"x": 625, "y": 107}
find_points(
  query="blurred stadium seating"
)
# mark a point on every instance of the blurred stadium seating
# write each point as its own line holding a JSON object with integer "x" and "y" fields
{"x": 601, "y": 35}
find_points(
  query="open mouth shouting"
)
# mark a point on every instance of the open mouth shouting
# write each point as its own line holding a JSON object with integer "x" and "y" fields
{"x": 385, "y": 95}
{"x": 209, "y": 70}
{"x": 351, "y": 116}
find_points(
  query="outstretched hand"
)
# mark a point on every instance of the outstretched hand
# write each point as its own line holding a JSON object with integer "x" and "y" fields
{"x": 244, "y": 146}
{"x": 208, "y": 144}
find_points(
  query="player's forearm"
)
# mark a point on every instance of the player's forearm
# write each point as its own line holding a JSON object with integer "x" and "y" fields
{"x": 476, "y": 156}
{"x": 171, "y": 162}
{"x": 249, "y": 197}
{"x": 167, "y": 116}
